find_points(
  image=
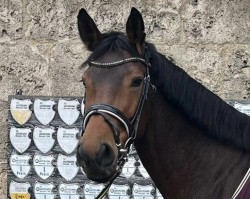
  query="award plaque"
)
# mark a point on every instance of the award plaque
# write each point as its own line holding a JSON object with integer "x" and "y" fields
{"x": 118, "y": 192}
{"x": 19, "y": 190}
{"x": 158, "y": 194}
{"x": 143, "y": 171}
{"x": 19, "y": 165}
{"x": 129, "y": 167}
{"x": 142, "y": 191}
{"x": 19, "y": 138}
{"x": 68, "y": 110}
{"x": 20, "y": 111}
{"x": 68, "y": 191}
{"x": 67, "y": 167}
{"x": 244, "y": 108}
{"x": 67, "y": 139}
{"x": 91, "y": 190}
{"x": 43, "y": 110}
{"x": 43, "y": 165}
{"x": 44, "y": 190}
{"x": 43, "y": 138}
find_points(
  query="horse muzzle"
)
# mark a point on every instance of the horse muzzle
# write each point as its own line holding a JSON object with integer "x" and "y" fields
{"x": 99, "y": 168}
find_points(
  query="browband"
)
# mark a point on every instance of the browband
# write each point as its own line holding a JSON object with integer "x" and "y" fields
{"x": 116, "y": 63}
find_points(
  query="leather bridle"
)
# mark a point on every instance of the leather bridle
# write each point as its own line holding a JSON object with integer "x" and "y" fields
{"x": 131, "y": 125}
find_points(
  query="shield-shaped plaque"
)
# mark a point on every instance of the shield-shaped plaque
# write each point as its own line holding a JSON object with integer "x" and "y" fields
{"x": 43, "y": 110}
{"x": 68, "y": 110}
{"x": 19, "y": 164}
{"x": 83, "y": 106}
{"x": 69, "y": 191}
{"x": 158, "y": 194}
{"x": 244, "y": 108}
{"x": 119, "y": 192}
{"x": 43, "y": 165}
{"x": 67, "y": 139}
{"x": 19, "y": 190}
{"x": 44, "y": 190}
{"x": 91, "y": 190}
{"x": 129, "y": 167}
{"x": 142, "y": 191}
{"x": 67, "y": 167}
{"x": 19, "y": 138}
{"x": 20, "y": 110}
{"x": 43, "y": 138}
{"x": 143, "y": 171}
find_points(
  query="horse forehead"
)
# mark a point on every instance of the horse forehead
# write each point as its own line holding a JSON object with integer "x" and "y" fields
{"x": 114, "y": 55}
{"x": 114, "y": 75}
{"x": 105, "y": 76}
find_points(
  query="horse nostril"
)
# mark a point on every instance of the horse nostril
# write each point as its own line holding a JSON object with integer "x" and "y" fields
{"x": 105, "y": 156}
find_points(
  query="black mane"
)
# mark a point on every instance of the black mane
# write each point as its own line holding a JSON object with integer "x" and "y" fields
{"x": 200, "y": 105}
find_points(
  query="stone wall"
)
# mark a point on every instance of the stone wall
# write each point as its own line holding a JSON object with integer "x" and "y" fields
{"x": 40, "y": 51}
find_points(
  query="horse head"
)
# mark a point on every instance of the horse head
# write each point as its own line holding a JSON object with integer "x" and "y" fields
{"x": 116, "y": 83}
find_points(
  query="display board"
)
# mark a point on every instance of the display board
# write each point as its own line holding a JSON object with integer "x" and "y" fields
{"x": 43, "y": 136}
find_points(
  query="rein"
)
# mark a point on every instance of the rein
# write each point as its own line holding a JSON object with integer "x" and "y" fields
{"x": 131, "y": 126}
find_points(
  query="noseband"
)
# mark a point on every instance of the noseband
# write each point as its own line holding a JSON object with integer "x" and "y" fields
{"x": 131, "y": 125}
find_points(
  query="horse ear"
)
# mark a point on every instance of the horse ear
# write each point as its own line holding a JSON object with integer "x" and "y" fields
{"x": 135, "y": 30}
{"x": 88, "y": 30}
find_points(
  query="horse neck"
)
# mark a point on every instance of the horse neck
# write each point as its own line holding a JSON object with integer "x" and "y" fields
{"x": 182, "y": 160}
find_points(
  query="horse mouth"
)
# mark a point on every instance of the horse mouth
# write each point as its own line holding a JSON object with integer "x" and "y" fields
{"x": 97, "y": 173}
{"x": 100, "y": 178}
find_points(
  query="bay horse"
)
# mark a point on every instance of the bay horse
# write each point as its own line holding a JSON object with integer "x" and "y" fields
{"x": 192, "y": 143}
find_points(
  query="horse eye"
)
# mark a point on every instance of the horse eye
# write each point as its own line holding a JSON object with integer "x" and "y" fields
{"x": 137, "y": 82}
